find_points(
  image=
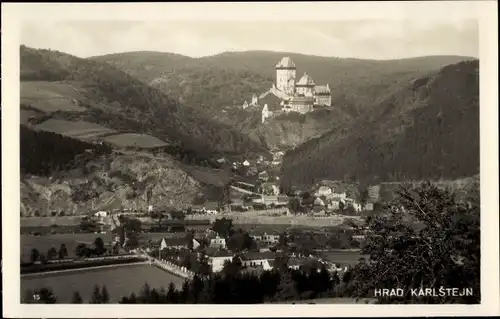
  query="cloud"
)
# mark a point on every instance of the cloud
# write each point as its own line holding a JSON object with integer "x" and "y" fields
{"x": 374, "y": 39}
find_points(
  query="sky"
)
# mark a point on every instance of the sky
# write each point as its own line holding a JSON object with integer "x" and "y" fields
{"x": 367, "y": 39}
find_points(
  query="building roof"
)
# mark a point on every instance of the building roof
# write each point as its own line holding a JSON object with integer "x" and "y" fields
{"x": 174, "y": 241}
{"x": 274, "y": 91}
{"x": 257, "y": 255}
{"x": 301, "y": 99}
{"x": 322, "y": 89}
{"x": 306, "y": 80}
{"x": 324, "y": 189}
{"x": 213, "y": 252}
{"x": 285, "y": 63}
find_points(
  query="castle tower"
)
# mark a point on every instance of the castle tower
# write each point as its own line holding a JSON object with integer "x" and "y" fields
{"x": 285, "y": 75}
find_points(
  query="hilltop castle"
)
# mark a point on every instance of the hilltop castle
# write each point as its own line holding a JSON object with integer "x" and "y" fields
{"x": 287, "y": 95}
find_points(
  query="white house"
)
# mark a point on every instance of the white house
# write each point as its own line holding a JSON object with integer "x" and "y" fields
{"x": 269, "y": 239}
{"x": 101, "y": 214}
{"x": 318, "y": 202}
{"x": 218, "y": 242}
{"x": 256, "y": 259}
{"x": 246, "y": 163}
{"x": 323, "y": 191}
{"x": 334, "y": 205}
{"x": 369, "y": 206}
{"x": 337, "y": 196}
{"x": 217, "y": 259}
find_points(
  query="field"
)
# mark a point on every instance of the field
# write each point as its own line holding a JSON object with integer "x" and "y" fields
{"x": 50, "y": 97}
{"x": 79, "y": 130}
{"x": 342, "y": 257}
{"x": 120, "y": 281}
{"x": 48, "y": 221}
{"x": 44, "y": 243}
{"x": 135, "y": 140}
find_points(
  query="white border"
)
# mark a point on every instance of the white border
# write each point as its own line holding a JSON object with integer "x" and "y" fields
{"x": 484, "y": 11}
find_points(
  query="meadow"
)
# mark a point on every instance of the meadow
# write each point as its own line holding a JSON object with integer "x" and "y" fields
{"x": 135, "y": 140}
{"x": 50, "y": 97}
{"x": 80, "y": 130}
{"x": 120, "y": 281}
{"x": 45, "y": 242}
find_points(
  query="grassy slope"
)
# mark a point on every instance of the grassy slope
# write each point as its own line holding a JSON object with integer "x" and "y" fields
{"x": 421, "y": 132}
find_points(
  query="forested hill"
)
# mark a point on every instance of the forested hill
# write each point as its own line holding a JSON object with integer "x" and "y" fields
{"x": 229, "y": 78}
{"x": 115, "y": 98}
{"x": 428, "y": 130}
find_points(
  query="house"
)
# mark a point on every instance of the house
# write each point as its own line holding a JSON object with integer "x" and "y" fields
{"x": 173, "y": 243}
{"x": 101, "y": 214}
{"x": 245, "y": 105}
{"x": 218, "y": 242}
{"x": 217, "y": 258}
{"x": 246, "y": 163}
{"x": 265, "y": 238}
{"x": 334, "y": 205}
{"x": 319, "y": 211}
{"x": 323, "y": 191}
{"x": 264, "y": 176}
{"x": 255, "y": 259}
{"x": 368, "y": 206}
{"x": 318, "y": 202}
{"x": 270, "y": 189}
{"x": 221, "y": 160}
{"x": 337, "y": 196}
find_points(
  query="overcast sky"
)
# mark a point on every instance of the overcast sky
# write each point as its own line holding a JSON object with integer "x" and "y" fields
{"x": 371, "y": 39}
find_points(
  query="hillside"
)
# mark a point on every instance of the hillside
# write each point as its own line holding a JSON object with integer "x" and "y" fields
{"x": 93, "y": 137}
{"x": 427, "y": 130}
{"x": 107, "y": 96}
{"x": 86, "y": 177}
{"x": 230, "y": 78}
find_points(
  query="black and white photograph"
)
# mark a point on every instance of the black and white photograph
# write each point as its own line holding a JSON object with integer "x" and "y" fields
{"x": 269, "y": 156}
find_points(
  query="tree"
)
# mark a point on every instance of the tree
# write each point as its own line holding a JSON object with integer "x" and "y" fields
{"x": 341, "y": 205}
{"x": 80, "y": 250}
{"x": 43, "y": 259}
{"x": 283, "y": 240}
{"x": 63, "y": 252}
{"x": 76, "y": 298}
{"x": 104, "y": 295}
{"x": 223, "y": 227}
{"x": 294, "y": 205}
{"x": 99, "y": 246}
{"x": 426, "y": 238}
{"x": 171, "y": 294}
{"x": 189, "y": 239}
{"x": 35, "y": 255}
{"x": 96, "y": 296}
{"x": 51, "y": 253}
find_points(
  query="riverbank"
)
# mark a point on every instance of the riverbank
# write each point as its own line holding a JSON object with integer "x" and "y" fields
{"x": 81, "y": 264}
{"x": 53, "y": 272}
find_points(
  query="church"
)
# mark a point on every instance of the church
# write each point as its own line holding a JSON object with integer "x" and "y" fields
{"x": 289, "y": 95}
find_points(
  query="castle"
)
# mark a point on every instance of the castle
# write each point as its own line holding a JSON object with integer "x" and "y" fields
{"x": 289, "y": 95}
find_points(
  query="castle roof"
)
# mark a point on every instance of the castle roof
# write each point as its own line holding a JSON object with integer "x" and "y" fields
{"x": 286, "y": 63}
{"x": 306, "y": 80}
{"x": 301, "y": 99}
{"x": 322, "y": 89}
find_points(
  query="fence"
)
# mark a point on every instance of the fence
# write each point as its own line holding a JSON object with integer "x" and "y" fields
{"x": 168, "y": 266}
